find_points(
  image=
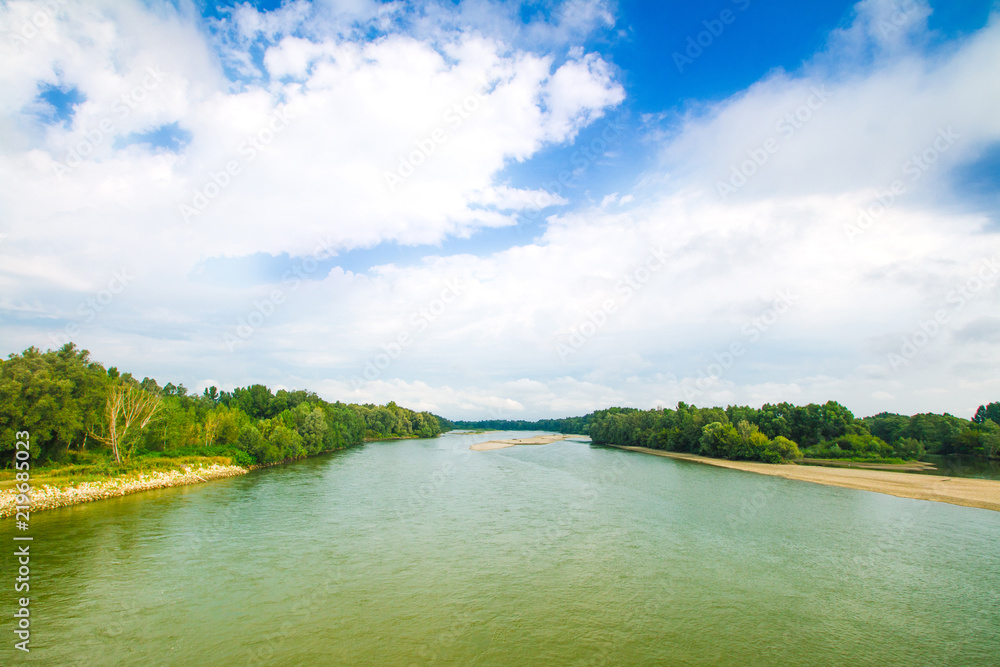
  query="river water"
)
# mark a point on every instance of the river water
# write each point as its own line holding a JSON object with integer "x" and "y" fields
{"x": 424, "y": 552}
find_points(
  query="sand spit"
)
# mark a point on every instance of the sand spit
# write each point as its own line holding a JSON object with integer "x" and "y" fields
{"x": 909, "y": 466}
{"x": 537, "y": 440}
{"x": 982, "y": 493}
{"x": 48, "y": 497}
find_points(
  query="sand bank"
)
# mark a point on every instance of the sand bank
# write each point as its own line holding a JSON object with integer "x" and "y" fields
{"x": 982, "y": 493}
{"x": 48, "y": 497}
{"x": 537, "y": 440}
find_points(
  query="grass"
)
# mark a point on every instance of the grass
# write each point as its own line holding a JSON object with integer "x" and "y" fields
{"x": 96, "y": 467}
{"x": 856, "y": 459}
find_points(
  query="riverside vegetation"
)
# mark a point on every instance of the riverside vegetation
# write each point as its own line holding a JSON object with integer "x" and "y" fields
{"x": 781, "y": 432}
{"x": 89, "y": 423}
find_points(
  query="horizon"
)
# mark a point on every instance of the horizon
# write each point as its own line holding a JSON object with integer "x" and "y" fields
{"x": 511, "y": 210}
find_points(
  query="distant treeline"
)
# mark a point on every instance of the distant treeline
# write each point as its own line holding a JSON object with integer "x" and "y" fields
{"x": 785, "y": 431}
{"x": 73, "y": 407}
{"x": 575, "y": 425}
{"x": 779, "y": 432}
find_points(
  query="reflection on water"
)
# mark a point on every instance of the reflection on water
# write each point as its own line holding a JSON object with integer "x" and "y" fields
{"x": 423, "y": 552}
{"x": 963, "y": 466}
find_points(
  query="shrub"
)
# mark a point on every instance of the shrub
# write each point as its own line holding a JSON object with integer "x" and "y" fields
{"x": 909, "y": 448}
{"x": 719, "y": 440}
{"x": 242, "y": 459}
{"x": 782, "y": 448}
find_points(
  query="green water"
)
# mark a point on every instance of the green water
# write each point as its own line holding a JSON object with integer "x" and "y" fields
{"x": 963, "y": 466}
{"x": 423, "y": 552}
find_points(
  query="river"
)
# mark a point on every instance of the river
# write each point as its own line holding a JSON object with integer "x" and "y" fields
{"x": 424, "y": 552}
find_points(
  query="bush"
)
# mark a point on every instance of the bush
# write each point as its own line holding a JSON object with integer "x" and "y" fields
{"x": 852, "y": 446}
{"x": 771, "y": 456}
{"x": 252, "y": 442}
{"x": 781, "y": 448}
{"x": 909, "y": 448}
{"x": 242, "y": 459}
{"x": 718, "y": 440}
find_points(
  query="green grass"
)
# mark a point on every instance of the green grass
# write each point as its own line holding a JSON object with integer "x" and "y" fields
{"x": 810, "y": 460}
{"x": 98, "y": 467}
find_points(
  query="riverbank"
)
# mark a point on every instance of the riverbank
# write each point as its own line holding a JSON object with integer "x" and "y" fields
{"x": 49, "y": 497}
{"x": 967, "y": 492}
{"x": 537, "y": 440}
{"x": 909, "y": 466}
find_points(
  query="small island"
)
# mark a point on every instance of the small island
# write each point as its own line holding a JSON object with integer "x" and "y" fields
{"x": 537, "y": 440}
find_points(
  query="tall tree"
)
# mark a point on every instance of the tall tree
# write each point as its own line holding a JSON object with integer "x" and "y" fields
{"x": 127, "y": 411}
{"x": 990, "y": 411}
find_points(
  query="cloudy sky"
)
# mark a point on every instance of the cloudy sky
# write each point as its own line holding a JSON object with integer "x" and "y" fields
{"x": 511, "y": 209}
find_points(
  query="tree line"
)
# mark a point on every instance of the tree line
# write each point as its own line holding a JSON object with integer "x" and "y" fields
{"x": 74, "y": 407}
{"x": 576, "y": 425}
{"x": 778, "y": 432}
{"x": 782, "y": 432}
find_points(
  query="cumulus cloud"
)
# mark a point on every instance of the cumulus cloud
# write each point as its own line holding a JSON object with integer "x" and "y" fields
{"x": 804, "y": 278}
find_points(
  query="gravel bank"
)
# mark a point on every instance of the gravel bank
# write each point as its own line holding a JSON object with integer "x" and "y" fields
{"x": 48, "y": 497}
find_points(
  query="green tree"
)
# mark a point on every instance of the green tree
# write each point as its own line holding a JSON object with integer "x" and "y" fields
{"x": 990, "y": 411}
{"x": 287, "y": 443}
{"x": 252, "y": 442}
{"x": 719, "y": 440}
{"x": 990, "y": 439}
{"x": 57, "y": 396}
{"x": 312, "y": 428}
{"x": 781, "y": 449}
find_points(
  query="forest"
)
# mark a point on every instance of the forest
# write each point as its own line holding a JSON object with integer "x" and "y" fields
{"x": 77, "y": 410}
{"x": 783, "y": 432}
{"x": 577, "y": 425}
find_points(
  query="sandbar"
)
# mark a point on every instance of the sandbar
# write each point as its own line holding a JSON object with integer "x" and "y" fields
{"x": 537, "y": 440}
{"x": 968, "y": 492}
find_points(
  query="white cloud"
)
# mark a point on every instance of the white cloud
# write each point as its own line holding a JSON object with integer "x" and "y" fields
{"x": 391, "y": 140}
{"x": 445, "y": 110}
{"x": 882, "y": 28}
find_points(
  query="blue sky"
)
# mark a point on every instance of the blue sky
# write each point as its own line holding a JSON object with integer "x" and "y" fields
{"x": 559, "y": 206}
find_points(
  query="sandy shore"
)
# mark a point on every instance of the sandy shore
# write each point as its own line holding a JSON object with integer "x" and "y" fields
{"x": 909, "y": 466}
{"x": 537, "y": 440}
{"x": 48, "y": 497}
{"x": 982, "y": 493}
